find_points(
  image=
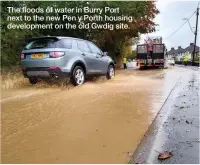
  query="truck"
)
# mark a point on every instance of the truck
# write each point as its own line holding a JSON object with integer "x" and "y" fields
{"x": 151, "y": 54}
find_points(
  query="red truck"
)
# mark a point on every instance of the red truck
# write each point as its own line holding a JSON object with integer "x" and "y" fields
{"x": 151, "y": 54}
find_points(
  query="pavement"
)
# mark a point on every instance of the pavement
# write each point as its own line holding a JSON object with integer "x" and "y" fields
{"x": 176, "y": 127}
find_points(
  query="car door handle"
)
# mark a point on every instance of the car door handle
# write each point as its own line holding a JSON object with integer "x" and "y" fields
{"x": 83, "y": 54}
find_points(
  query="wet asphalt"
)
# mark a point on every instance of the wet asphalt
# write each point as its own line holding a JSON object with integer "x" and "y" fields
{"x": 176, "y": 127}
{"x": 104, "y": 121}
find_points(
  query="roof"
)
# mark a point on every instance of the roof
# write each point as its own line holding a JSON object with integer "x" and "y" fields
{"x": 191, "y": 48}
{"x": 181, "y": 50}
{"x": 172, "y": 51}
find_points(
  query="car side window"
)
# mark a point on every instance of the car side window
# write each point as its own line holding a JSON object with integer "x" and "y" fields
{"x": 64, "y": 43}
{"x": 67, "y": 43}
{"x": 82, "y": 45}
{"x": 94, "y": 48}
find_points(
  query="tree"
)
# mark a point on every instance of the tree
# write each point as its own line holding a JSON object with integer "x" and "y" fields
{"x": 132, "y": 55}
{"x": 116, "y": 42}
{"x": 12, "y": 40}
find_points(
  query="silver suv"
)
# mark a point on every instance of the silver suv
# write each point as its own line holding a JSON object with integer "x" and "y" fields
{"x": 64, "y": 57}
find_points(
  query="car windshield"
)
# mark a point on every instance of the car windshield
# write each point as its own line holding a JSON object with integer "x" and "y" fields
{"x": 42, "y": 43}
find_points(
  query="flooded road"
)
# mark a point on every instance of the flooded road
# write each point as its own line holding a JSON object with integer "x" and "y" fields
{"x": 99, "y": 122}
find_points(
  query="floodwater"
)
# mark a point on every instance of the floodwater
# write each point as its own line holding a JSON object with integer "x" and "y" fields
{"x": 99, "y": 122}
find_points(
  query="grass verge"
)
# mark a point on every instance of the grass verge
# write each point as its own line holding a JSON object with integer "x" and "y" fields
{"x": 12, "y": 78}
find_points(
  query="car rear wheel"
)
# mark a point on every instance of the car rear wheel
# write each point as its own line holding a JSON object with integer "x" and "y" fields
{"x": 78, "y": 76}
{"x": 110, "y": 72}
{"x": 33, "y": 80}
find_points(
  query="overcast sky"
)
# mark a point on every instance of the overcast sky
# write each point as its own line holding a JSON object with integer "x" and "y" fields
{"x": 170, "y": 18}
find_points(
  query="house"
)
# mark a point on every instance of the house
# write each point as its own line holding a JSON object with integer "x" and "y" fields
{"x": 171, "y": 53}
{"x": 179, "y": 53}
{"x": 189, "y": 51}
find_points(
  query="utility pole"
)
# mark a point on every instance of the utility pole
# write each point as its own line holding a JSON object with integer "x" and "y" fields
{"x": 195, "y": 40}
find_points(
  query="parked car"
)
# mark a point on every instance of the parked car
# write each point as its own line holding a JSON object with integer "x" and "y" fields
{"x": 171, "y": 62}
{"x": 64, "y": 57}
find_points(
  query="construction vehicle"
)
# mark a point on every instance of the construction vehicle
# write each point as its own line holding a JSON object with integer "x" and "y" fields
{"x": 151, "y": 54}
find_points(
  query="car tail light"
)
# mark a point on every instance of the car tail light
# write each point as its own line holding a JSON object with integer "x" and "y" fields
{"x": 56, "y": 54}
{"x": 22, "y": 56}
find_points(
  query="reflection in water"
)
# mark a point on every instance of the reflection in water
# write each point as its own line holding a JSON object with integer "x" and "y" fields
{"x": 95, "y": 123}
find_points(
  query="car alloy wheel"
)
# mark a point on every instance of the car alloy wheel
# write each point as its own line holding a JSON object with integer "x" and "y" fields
{"x": 79, "y": 77}
{"x": 111, "y": 72}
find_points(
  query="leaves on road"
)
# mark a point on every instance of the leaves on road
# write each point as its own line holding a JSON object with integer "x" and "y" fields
{"x": 187, "y": 122}
{"x": 165, "y": 155}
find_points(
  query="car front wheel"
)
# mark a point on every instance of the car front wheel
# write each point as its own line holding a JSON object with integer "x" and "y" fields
{"x": 78, "y": 76}
{"x": 110, "y": 72}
